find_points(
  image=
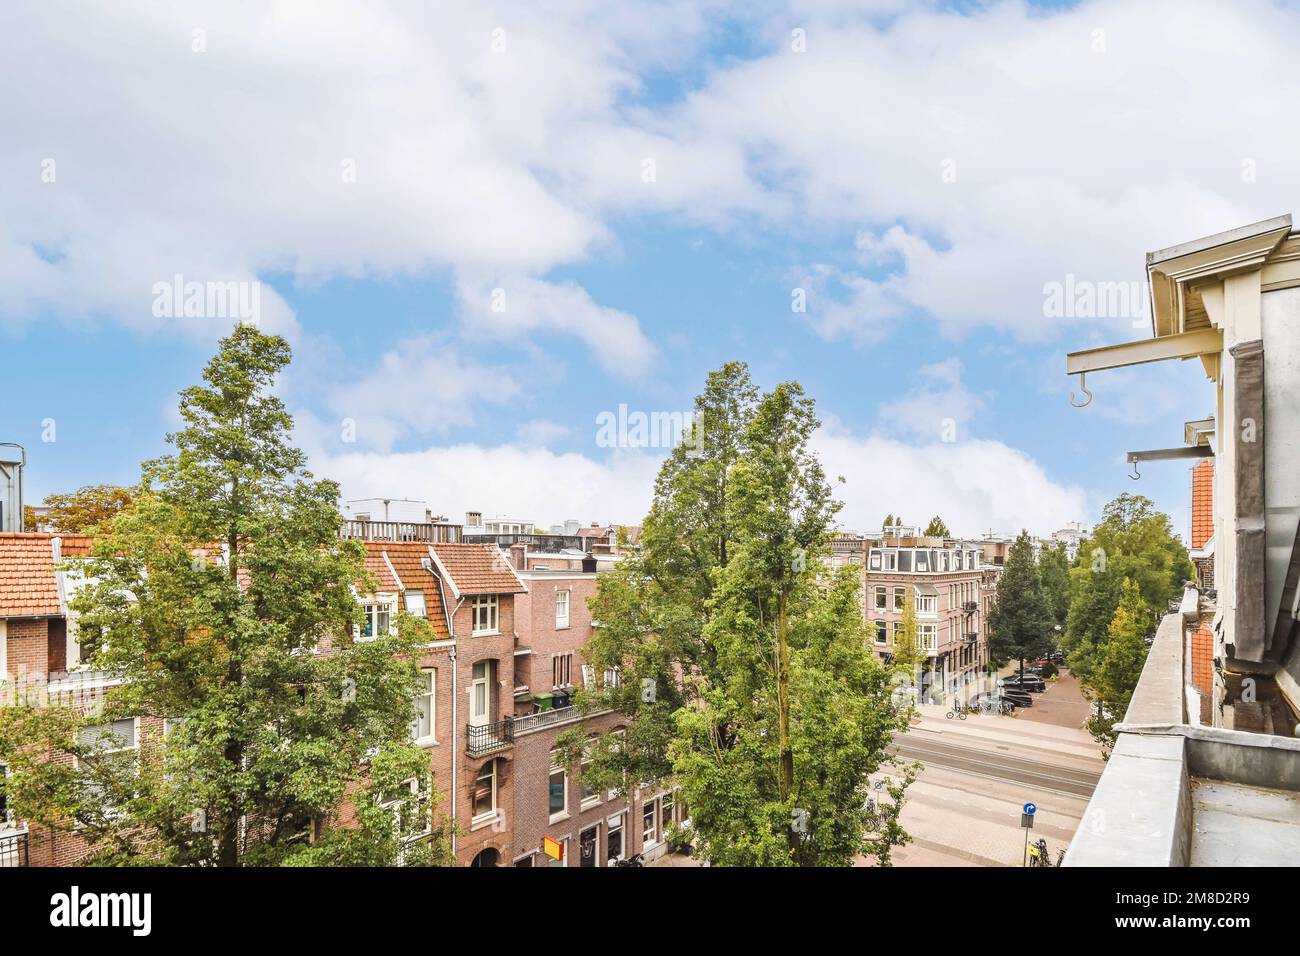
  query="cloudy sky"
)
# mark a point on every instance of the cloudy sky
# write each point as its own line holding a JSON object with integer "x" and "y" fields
{"x": 482, "y": 225}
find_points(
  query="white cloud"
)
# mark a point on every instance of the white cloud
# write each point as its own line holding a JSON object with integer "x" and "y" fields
{"x": 510, "y": 308}
{"x": 540, "y": 431}
{"x": 532, "y": 483}
{"x": 934, "y": 405}
{"x": 973, "y": 485}
{"x": 422, "y": 385}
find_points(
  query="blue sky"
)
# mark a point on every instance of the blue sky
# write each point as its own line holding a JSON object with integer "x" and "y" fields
{"x": 920, "y": 173}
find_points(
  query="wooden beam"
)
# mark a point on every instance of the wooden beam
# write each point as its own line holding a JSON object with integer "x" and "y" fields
{"x": 1184, "y": 345}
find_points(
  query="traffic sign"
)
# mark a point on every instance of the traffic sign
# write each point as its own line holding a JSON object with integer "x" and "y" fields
{"x": 1031, "y": 808}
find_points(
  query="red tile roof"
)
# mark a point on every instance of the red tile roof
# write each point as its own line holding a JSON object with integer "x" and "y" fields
{"x": 404, "y": 558}
{"x": 1202, "y": 503}
{"x": 479, "y": 569}
{"x": 28, "y": 584}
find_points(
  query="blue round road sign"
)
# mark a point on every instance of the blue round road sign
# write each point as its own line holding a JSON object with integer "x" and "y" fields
{"x": 1031, "y": 808}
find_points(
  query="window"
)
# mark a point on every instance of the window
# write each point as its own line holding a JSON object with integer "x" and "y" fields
{"x": 881, "y": 597}
{"x": 898, "y": 629}
{"x": 881, "y": 635}
{"x": 899, "y": 598}
{"x": 926, "y": 604}
{"x": 379, "y": 619}
{"x": 422, "y": 729}
{"x": 666, "y": 814}
{"x": 485, "y": 614}
{"x": 590, "y": 796}
{"x": 5, "y": 816}
{"x": 891, "y": 560}
{"x": 587, "y": 840}
{"x": 923, "y": 560}
{"x": 415, "y": 604}
{"x": 484, "y": 797}
{"x": 561, "y": 608}
{"x": 411, "y": 810}
{"x": 611, "y": 678}
{"x": 875, "y": 560}
{"x": 561, "y": 670}
{"x": 649, "y": 832}
{"x": 929, "y": 637}
{"x": 614, "y": 838}
{"x": 114, "y": 744}
{"x": 4, "y": 651}
{"x": 559, "y": 788}
{"x": 480, "y": 692}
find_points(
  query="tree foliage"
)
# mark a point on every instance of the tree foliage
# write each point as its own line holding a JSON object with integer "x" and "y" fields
{"x": 1054, "y": 573}
{"x": 1020, "y": 622}
{"x": 937, "y": 529}
{"x": 83, "y": 510}
{"x": 746, "y": 677}
{"x": 208, "y": 596}
{"x": 1134, "y": 541}
{"x": 1114, "y": 679}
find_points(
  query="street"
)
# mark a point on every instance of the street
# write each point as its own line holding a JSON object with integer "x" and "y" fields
{"x": 964, "y": 808}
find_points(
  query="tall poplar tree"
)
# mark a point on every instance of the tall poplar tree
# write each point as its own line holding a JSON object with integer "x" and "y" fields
{"x": 747, "y": 679}
{"x": 1020, "y": 623}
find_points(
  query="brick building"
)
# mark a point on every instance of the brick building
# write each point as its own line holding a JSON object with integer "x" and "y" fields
{"x": 509, "y": 626}
{"x": 953, "y": 592}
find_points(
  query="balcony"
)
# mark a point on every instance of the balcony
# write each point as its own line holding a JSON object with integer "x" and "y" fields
{"x": 428, "y": 533}
{"x": 545, "y": 543}
{"x": 13, "y": 848}
{"x": 484, "y": 739}
{"x": 971, "y": 637}
{"x": 545, "y": 718}
{"x": 970, "y": 607}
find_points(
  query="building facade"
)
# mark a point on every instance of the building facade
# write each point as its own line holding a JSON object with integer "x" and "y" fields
{"x": 949, "y": 587}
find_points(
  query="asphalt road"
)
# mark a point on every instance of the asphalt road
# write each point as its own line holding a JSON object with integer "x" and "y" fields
{"x": 1000, "y": 765}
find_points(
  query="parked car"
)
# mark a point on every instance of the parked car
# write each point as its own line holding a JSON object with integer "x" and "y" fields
{"x": 1017, "y": 696}
{"x": 993, "y": 703}
{"x": 1028, "y": 682}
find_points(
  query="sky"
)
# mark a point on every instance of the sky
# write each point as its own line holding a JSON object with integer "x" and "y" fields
{"x": 486, "y": 227}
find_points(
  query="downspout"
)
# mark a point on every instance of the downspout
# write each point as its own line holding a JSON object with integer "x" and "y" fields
{"x": 455, "y": 725}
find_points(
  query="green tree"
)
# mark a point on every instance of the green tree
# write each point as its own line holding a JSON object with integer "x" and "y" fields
{"x": 209, "y": 596}
{"x": 937, "y": 529}
{"x": 1132, "y": 541}
{"x": 888, "y": 522}
{"x": 905, "y": 657}
{"x": 1125, "y": 653}
{"x": 1054, "y": 572}
{"x": 1020, "y": 622}
{"x": 747, "y": 679}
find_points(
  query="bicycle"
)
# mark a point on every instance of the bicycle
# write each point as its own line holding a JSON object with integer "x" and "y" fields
{"x": 959, "y": 710}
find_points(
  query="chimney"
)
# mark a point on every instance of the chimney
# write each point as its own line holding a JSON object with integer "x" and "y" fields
{"x": 473, "y": 519}
{"x": 517, "y": 556}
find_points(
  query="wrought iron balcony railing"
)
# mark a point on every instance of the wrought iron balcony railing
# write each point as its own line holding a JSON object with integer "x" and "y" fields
{"x": 484, "y": 739}
{"x": 13, "y": 848}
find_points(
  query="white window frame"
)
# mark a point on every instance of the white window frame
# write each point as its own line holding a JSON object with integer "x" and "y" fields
{"x": 900, "y": 599}
{"x": 927, "y": 604}
{"x": 654, "y": 835}
{"x": 372, "y": 607}
{"x": 562, "y": 604}
{"x": 484, "y": 817}
{"x": 4, "y": 649}
{"x": 422, "y": 610}
{"x": 621, "y": 827}
{"x": 928, "y": 638}
{"x": 562, "y": 667}
{"x": 891, "y": 560}
{"x": 880, "y": 633}
{"x": 429, "y": 691}
{"x": 486, "y": 608}
{"x": 612, "y": 678}
{"x": 882, "y": 598}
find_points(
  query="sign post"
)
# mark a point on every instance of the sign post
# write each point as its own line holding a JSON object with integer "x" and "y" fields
{"x": 1027, "y": 823}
